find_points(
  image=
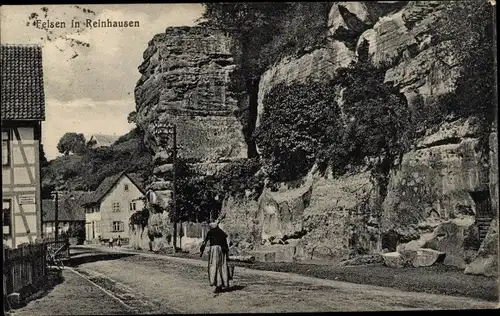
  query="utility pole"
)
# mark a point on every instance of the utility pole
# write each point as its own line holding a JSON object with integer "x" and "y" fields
{"x": 56, "y": 214}
{"x": 174, "y": 177}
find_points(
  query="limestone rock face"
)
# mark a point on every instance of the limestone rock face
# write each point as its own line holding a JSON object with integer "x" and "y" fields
{"x": 450, "y": 238}
{"x": 422, "y": 66}
{"x": 320, "y": 64}
{"x": 320, "y": 220}
{"x": 350, "y": 19}
{"x": 188, "y": 77}
{"x": 433, "y": 183}
{"x": 486, "y": 261}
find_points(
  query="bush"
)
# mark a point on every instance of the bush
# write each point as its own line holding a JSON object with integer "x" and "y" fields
{"x": 302, "y": 124}
{"x": 297, "y": 121}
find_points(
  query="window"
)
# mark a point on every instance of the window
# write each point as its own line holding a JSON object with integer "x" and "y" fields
{"x": 126, "y": 187}
{"x": 5, "y": 147}
{"x": 117, "y": 227}
{"x": 7, "y": 217}
{"x": 116, "y": 207}
{"x": 98, "y": 227}
{"x": 132, "y": 206}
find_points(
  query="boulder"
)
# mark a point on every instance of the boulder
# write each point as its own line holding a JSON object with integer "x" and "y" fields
{"x": 486, "y": 261}
{"x": 449, "y": 238}
{"x": 393, "y": 260}
{"x": 427, "y": 257}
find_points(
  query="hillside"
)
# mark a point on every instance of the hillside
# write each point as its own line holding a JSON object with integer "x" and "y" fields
{"x": 86, "y": 171}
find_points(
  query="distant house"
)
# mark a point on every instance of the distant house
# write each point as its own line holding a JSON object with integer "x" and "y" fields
{"x": 100, "y": 140}
{"x": 108, "y": 210}
{"x": 23, "y": 111}
{"x": 70, "y": 212}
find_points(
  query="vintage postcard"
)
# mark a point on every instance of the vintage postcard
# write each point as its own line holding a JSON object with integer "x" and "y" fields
{"x": 249, "y": 157}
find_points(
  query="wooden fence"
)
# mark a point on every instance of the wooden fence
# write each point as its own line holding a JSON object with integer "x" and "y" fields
{"x": 23, "y": 266}
{"x": 193, "y": 230}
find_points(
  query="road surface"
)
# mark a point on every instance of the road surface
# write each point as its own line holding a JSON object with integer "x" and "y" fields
{"x": 148, "y": 283}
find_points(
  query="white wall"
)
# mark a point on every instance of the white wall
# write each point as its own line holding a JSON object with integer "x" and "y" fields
{"x": 118, "y": 194}
{"x": 21, "y": 185}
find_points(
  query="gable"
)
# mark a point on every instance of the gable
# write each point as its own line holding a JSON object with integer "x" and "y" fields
{"x": 110, "y": 183}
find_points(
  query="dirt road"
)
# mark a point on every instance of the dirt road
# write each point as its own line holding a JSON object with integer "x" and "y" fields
{"x": 151, "y": 283}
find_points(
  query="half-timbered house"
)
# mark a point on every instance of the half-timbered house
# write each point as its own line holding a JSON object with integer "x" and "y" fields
{"x": 23, "y": 111}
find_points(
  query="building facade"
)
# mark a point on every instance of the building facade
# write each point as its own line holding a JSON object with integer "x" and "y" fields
{"x": 100, "y": 140}
{"x": 108, "y": 211}
{"x": 23, "y": 111}
{"x": 70, "y": 212}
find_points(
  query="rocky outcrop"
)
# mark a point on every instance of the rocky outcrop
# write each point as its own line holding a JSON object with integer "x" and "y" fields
{"x": 426, "y": 212}
{"x": 433, "y": 183}
{"x": 322, "y": 219}
{"x": 486, "y": 261}
{"x": 420, "y": 66}
{"x": 188, "y": 78}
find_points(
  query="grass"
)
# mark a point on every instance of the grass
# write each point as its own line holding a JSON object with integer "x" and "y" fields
{"x": 437, "y": 279}
{"x": 32, "y": 293}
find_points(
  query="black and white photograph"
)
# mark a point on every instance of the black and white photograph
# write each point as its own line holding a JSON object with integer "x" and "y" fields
{"x": 249, "y": 157}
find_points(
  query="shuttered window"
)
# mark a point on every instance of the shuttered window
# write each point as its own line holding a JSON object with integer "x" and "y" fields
{"x": 117, "y": 226}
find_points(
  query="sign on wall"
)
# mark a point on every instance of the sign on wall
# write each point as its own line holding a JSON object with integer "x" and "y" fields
{"x": 27, "y": 199}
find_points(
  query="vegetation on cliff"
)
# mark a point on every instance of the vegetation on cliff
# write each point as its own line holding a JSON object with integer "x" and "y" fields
{"x": 200, "y": 197}
{"x": 267, "y": 32}
{"x": 303, "y": 124}
{"x": 469, "y": 27}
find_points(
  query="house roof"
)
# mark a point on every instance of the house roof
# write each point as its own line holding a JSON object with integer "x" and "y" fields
{"x": 108, "y": 183}
{"x": 70, "y": 207}
{"x": 23, "y": 97}
{"x": 105, "y": 140}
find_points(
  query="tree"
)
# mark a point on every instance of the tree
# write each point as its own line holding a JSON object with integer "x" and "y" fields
{"x": 72, "y": 143}
{"x": 295, "y": 126}
{"x": 43, "y": 159}
{"x": 132, "y": 116}
{"x": 469, "y": 26}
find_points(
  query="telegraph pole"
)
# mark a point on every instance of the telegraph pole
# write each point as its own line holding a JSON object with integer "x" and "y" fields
{"x": 174, "y": 177}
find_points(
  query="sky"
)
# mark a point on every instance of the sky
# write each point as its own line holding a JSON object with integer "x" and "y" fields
{"x": 94, "y": 91}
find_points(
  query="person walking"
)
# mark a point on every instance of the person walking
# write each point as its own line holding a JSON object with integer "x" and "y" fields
{"x": 111, "y": 242}
{"x": 119, "y": 241}
{"x": 218, "y": 257}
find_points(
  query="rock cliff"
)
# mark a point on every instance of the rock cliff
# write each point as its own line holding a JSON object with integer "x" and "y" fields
{"x": 188, "y": 77}
{"x": 431, "y": 200}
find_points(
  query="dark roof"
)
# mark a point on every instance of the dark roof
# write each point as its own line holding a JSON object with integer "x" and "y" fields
{"x": 108, "y": 183}
{"x": 23, "y": 97}
{"x": 70, "y": 207}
